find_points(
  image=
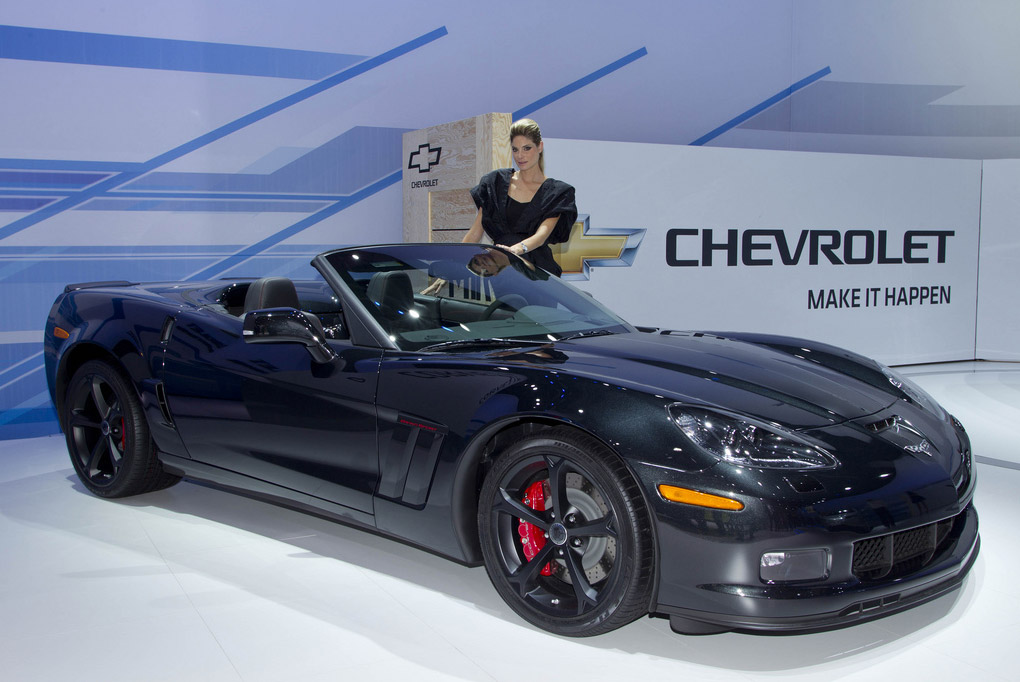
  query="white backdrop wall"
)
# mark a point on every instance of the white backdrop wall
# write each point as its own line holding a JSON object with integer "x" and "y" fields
{"x": 174, "y": 139}
{"x": 998, "y": 321}
{"x": 876, "y": 254}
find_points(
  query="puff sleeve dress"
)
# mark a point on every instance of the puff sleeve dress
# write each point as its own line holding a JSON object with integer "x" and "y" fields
{"x": 507, "y": 223}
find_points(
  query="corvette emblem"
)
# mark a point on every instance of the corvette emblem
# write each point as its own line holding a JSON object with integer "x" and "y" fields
{"x": 901, "y": 432}
{"x": 924, "y": 448}
{"x": 901, "y": 424}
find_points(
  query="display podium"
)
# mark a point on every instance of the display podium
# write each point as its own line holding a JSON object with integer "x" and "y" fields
{"x": 442, "y": 164}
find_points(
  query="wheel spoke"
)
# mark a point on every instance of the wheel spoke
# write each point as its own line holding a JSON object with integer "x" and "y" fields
{"x": 558, "y": 471}
{"x": 98, "y": 397}
{"x": 596, "y": 528}
{"x": 115, "y": 454}
{"x": 96, "y": 455}
{"x": 527, "y": 574}
{"x": 508, "y": 505}
{"x": 585, "y": 593}
{"x": 80, "y": 421}
{"x": 115, "y": 416}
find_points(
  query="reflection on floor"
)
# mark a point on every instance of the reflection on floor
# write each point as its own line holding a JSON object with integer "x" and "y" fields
{"x": 194, "y": 583}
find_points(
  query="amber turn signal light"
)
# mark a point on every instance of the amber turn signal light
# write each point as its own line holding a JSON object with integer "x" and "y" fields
{"x": 687, "y": 496}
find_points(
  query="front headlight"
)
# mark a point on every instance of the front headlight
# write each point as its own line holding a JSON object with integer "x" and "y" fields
{"x": 748, "y": 442}
{"x": 914, "y": 392}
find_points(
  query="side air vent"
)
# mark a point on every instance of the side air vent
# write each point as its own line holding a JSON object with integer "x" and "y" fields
{"x": 407, "y": 461}
{"x": 168, "y": 330}
{"x": 163, "y": 406}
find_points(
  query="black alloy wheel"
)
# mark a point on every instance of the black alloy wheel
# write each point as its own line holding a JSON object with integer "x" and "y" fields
{"x": 565, "y": 534}
{"x": 107, "y": 435}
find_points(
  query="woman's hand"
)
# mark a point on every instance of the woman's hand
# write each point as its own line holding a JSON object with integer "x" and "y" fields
{"x": 434, "y": 288}
{"x": 536, "y": 240}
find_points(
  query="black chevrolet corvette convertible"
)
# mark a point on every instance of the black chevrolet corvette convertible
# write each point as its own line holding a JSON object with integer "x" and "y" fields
{"x": 457, "y": 398}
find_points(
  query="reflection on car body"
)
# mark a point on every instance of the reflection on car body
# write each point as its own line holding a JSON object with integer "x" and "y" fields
{"x": 498, "y": 416}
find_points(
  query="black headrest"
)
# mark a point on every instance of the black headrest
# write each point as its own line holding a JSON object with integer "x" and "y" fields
{"x": 391, "y": 292}
{"x": 271, "y": 292}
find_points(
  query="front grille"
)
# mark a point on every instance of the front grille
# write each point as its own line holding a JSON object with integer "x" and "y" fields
{"x": 898, "y": 554}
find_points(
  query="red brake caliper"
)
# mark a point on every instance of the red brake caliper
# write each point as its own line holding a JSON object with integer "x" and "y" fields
{"x": 532, "y": 537}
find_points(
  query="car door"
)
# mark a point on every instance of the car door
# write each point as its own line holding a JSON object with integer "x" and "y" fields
{"x": 269, "y": 412}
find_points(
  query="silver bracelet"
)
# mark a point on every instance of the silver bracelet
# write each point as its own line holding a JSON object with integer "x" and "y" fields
{"x": 524, "y": 246}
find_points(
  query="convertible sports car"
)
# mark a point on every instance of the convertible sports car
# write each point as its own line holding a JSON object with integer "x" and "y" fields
{"x": 457, "y": 398}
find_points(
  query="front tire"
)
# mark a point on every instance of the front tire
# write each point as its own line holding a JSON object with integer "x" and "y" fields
{"x": 107, "y": 436}
{"x": 565, "y": 534}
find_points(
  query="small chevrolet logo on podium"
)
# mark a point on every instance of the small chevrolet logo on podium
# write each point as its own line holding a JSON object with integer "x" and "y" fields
{"x": 423, "y": 158}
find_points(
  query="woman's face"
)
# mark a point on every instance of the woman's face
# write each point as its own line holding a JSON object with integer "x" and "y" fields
{"x": 526, "y": 152}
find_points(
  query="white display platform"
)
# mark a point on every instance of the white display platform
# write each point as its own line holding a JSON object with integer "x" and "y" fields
{"x": 196, "y": 583}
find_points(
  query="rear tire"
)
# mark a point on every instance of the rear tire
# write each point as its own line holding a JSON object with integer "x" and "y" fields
{"x": 107, "y": 436}
{"x": 565, "y": 534}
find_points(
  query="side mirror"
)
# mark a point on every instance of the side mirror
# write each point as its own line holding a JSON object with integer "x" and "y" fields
{"x": 287, "y": 325}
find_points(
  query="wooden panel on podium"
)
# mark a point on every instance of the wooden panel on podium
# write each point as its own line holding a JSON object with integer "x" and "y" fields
{"x": 442, "y": 164}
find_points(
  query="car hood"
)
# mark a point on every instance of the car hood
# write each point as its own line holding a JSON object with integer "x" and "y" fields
{"x": 790, "y": 381}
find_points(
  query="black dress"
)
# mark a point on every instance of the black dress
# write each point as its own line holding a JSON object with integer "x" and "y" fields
{"x": 492, "y": 195}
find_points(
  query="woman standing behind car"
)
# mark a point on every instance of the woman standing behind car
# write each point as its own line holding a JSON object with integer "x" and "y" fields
{"x": 524, "y": 210}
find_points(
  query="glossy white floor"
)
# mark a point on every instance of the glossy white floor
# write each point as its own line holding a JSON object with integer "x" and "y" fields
{"x": 194, "y": 583}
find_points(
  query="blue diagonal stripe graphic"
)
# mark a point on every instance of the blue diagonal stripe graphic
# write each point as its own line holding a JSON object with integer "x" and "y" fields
{"x": 219, "y": 133}
{"x": 36, "y": 401}
{"x": 218, "y": 268}
{"x": 35, "y": 366}
{"x": 754, "y": 111}
{"x": 103, "y": 49}
{"x": 578, "y": 84}
{"x": 34, "y": 362}
{"x": 60, "y": 164}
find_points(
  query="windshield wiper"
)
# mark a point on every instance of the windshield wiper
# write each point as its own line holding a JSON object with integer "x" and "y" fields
{"x": 483, "y": 343}
{"x": 587, "y": 332}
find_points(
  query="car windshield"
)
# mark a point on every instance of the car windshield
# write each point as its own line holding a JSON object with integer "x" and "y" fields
{"x": 444, "y": 296}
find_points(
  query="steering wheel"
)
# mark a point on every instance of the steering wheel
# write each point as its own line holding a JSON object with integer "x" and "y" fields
{"x": 512, "y": 302}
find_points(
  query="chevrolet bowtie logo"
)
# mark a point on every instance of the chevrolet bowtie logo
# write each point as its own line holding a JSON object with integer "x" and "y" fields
{"x": 423, "y": 159}
{"x": 589, "y": 247}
